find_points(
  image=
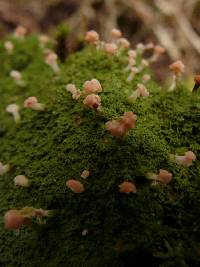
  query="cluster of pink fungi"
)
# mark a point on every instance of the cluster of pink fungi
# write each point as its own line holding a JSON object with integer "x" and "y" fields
{"x": 90, "y": 97}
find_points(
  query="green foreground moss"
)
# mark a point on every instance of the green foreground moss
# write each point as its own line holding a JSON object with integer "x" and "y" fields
{"x": 157, "y": 226}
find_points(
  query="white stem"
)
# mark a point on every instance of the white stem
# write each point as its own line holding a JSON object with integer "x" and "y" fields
{"x": 55, "y": 68}
{"x": 16, "y": 116}
{"x": 173, "y": 85}
{"x": 39, "y": 106}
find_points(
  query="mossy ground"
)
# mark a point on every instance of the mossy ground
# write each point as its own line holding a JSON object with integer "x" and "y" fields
{"x": 157, "y": 226}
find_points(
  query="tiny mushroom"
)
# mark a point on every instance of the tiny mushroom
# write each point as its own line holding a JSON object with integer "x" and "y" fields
{"x": 127, "y": 187}
{"x": 51, "y": 60}
{"x": 14, "y": 110}
{"x": 120, "y": 126}
{"x": 85, "y": 174}
{"x": 186, "y": 160}
{"x": 163, "y": 177}
{"x": 20, "y": 32}
{"x": 92, "y": 86}
{"x": 92, "y": 37}
{"x": 21, "y": 180}
{"x": 146, "y": 78}
{"x": 177, "y": 68}
{"x": 13, "y": 219}
{"x": 110, "y": 48}
{"x": 141, "y": 91}
{"x": 17, "y": 77}
{"x": 116, "y": 33}
{"x": 75, "y": 186}
{"x": 124, "y": 43}
{"x": 92, "y": 101}
{"x": 43, "y": 39}
{"x": 158, "y": 50}
{"x": 4, "y": 168}
{"x": 9, "y": 47}
{"x": 134, "y": 71}
{"x": 73, "y": 90}
{"x": 32, "y": 103}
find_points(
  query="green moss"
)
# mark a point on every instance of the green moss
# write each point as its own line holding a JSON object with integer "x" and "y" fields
{"x": 158, "y": 226}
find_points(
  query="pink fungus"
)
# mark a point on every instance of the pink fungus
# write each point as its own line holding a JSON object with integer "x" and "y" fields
{"x": 75, "y": 186}
{"x": 110, "y": 48}
{"x": 32, "y": 102}
{"x": 116, "y": 33}
{"x": 21, "y": 180}
{"x": 124, "y": 43}
{"x": 92, "y": 101}
{"x": 120, "y": 127}
{"x": 13, "y": 219}
{"x": 177, "y": 67}
{"x": 92, "y": 37}
{"x": 92, "y": 86}
{"x": 164, "y": 176}
{"x": 51, "y": 60}
{"x": 127, "y": 187}
{"x": 73, "y": 90}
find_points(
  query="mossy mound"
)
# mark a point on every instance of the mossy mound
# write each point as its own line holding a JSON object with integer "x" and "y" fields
{"x": 157, "y": 226}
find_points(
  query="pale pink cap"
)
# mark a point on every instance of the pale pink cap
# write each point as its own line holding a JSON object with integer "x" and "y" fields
{"x": 92, "y": 101}
{"x": 92, "y": 86}
{"x": 116, "y": 33}
{"x": 164, "y": 176}
{"x": 13, "y": 220}
{"x": 127, "y": 188}
{"x": 177, "y": 67}
{"x": 92, "y": 37}
{"x": 111, "y": 48}
{"x": 75, "y": 186}
{"x": 30, "y": 102}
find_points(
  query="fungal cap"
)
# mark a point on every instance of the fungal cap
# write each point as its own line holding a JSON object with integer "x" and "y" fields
{"x": 30, "y": 102}
{"x": 71, "y": 88}
{"x": 177, "y": 67}
{"x": 44, "y": 38}
{"x": 164, "y": 176}
{"x": 129, "y": 119}
{"x": 115, "y": 128}
{"x": 132, "y": 54}
{"x": 20, "y": 31}
{"x": 124, "y": 43}
{"x": 21, "y": 180}
{"x": 159, "y": 49}
{"x": 92, "y": 101}
{"x": 75, "y": 186}
{"x": 9, "y": 46}
{"x": 116, "y": 33}
{"x": 146, "y": 78}
{"x": 85, "y": 174}
{"x": 12, "y": 108}
{"x": 4, "y": 168}
{"x": 92, "y": 86}
{"x": 51, "y": 58}
{"x": 127, "y": 187}
{"x": 189, "y": 157}
{"x": 142, "y": 90}
{"x": 13, "y": 219}
{"x": 16, "y": 75}
{"x": 110, "y": 48}
{"x": 92, "y": 37}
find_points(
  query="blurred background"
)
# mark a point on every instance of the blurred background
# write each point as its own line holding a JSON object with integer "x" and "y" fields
{"x": 175, "y": 24}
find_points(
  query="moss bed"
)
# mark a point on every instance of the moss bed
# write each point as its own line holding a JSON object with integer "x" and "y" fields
{"x": 158, "y": 226}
